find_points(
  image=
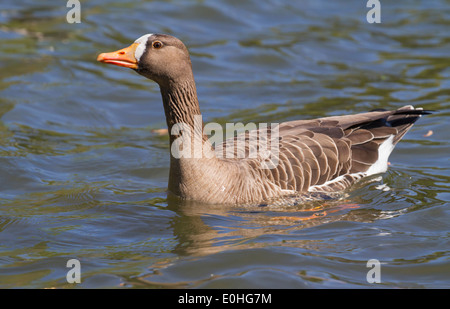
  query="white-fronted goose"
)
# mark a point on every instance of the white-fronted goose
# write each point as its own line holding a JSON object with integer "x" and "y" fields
{"x": 326, "y": 154}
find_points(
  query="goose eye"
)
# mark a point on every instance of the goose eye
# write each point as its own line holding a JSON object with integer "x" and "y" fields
{"x": 157, "y": 44}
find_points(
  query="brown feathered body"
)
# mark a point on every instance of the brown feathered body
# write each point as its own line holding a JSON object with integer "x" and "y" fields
{"x": 321, "y": 155}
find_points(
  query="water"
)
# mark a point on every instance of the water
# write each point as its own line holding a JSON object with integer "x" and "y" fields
{"x": 83, "y": 173}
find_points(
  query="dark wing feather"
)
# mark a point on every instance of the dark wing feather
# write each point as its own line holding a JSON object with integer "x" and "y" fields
{"x": 314, "y": 152}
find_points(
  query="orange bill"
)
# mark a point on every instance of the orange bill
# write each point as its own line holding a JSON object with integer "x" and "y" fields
{"x": 123, "y": 57}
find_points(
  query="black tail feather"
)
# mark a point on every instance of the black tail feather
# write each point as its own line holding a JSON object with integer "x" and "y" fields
{"x": 414, "y": 112}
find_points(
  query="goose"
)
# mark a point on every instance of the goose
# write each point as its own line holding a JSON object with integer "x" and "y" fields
{"x": 327, "y": 154}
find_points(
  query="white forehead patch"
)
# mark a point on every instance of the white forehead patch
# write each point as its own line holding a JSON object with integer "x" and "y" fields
{"x": 140, "y": 49}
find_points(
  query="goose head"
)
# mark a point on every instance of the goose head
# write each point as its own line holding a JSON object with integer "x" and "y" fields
{"x": 159, "y": 57}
